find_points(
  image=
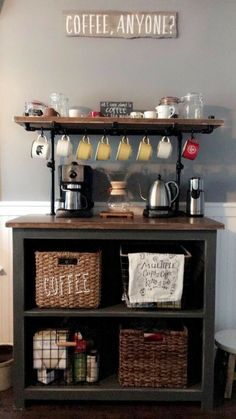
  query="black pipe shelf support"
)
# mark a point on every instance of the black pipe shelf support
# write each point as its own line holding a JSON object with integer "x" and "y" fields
{"x": 173, "y": 128}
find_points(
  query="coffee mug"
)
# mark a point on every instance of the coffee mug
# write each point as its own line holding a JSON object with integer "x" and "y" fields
{"x": 145, "y": 149}
{"x": 124, "y": 150}
{"x": 190, "y": 149}
{"x": 164, "y": 148}
{"x": 103, "y": 151}
{"x": 136, "y": 114}
{"x": 84, "y": 149}
{"x": 74, "y": 113}
{"x": 150, "y": 114}
{"x": 94, "y": 114}
{"x": 64, "y": 146}
{"x": 40, "y": 148}
{"x": 165, "y": 111}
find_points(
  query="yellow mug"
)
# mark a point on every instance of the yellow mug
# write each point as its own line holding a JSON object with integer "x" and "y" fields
{"x": 124, "y": 150}
{"x": 103, "y": 151}
{"x": 84, "y": 149}
{"x": 145, "y": 149}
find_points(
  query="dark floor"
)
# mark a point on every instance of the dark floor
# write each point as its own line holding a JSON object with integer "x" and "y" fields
{"x": 114, "y": 411}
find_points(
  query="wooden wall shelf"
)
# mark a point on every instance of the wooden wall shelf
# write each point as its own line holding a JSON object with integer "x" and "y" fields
{"x": 117, "y": 126}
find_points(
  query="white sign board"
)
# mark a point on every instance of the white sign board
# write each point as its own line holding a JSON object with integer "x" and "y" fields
{"x": 109, "y": 24}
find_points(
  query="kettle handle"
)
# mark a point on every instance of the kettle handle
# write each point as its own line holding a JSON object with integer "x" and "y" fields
{"x": 168, "y": 188}
{"x": 140, "y": 193}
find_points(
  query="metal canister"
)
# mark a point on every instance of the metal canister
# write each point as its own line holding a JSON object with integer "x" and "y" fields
{"x": 92, "y": 366}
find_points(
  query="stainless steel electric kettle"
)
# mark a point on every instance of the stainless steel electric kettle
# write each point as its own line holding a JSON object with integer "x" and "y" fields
{"x": 160, "y": 198}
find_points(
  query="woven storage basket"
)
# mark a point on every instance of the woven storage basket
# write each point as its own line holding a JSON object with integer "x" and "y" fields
{"x": 160, "y": 364}
{"x": 68, "y": 279}
{"x": 124, "y": 260}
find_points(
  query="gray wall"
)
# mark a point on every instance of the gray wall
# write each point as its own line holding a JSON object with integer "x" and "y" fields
{"x": 38, "y": 59}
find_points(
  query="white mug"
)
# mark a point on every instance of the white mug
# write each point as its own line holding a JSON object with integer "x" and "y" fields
{"x": 165, "y": 111}
{"x": 136, "y": 114}
{"x": 40, "y": 148}
{"x": 64, "y": 146}
{"x": 150, "y": 114}
{"x": 164, "y": 148}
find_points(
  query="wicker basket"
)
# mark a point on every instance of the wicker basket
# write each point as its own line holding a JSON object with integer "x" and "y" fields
{"x": 68, "y": 279}
{"x": 161, "y": 363}
{"x": 124, "y": 260}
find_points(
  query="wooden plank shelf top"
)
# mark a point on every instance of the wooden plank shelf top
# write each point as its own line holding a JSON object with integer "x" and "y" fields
{"x": 98, "y": 223}
{"x": 116, "y": 126}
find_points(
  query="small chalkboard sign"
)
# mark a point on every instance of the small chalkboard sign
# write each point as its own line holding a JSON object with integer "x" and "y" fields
{"x": 115, "y": 109}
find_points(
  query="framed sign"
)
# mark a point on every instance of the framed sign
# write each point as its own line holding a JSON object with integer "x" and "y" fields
{"x": 115, "y": 108}
{"x": 112, "y": 24}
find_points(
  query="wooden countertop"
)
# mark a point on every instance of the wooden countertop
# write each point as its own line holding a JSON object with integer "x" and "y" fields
{"x": 98, "y": 223}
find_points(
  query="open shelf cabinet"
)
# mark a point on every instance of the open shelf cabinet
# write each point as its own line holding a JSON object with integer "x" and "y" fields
{"x": 47, "y": 233}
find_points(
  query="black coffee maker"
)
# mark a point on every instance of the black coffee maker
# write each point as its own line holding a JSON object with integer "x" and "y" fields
{"x": 75, "y": 182}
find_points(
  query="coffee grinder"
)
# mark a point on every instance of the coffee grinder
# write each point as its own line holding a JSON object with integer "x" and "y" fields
{"x": 75, "y": 182}
{"x": 195, "y": 198}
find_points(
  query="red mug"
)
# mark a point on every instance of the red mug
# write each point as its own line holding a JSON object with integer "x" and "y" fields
{"x": 191, "y": 149}
{"x": 94, "y": 114}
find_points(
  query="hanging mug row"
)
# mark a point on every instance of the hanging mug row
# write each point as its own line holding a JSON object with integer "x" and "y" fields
{"x": 64, "y": 148}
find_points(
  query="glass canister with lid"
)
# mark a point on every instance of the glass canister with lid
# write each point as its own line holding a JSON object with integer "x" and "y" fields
{"x": 192, "y": 106}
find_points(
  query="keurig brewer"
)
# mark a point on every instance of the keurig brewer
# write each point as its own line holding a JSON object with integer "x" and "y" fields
{"x": 75, "y": 191}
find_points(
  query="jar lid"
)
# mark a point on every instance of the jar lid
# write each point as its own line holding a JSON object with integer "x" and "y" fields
{"x": 194, "y": 94}
{"x": 167, "y": 100}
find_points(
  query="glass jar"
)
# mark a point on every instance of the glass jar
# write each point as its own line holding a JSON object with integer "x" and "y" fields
{"x": 192, "y": 106}
{"x": 118, "y": 199}
{"x": 169, "y": 100}
{"x": 59, "y": 102}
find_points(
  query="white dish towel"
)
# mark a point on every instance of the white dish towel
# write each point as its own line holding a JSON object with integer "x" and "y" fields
{"x": 155, "y": 277}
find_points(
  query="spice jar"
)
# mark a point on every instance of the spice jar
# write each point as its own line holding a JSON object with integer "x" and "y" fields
{"x": 192, "y": 106}
{"x": 92, "y": 366}
{"x": 80, "y": 363}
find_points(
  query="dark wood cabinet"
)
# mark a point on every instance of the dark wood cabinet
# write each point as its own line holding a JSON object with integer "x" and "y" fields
{"x": 47, "y": 233}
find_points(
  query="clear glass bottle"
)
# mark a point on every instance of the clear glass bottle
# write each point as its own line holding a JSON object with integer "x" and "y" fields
{"x": 118, "y": 199}
{"x": 192, "y": 106}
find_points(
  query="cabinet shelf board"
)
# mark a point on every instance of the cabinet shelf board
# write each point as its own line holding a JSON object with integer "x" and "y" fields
{"x": 110, "y": 389}
{"x": 118, "y": 310}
